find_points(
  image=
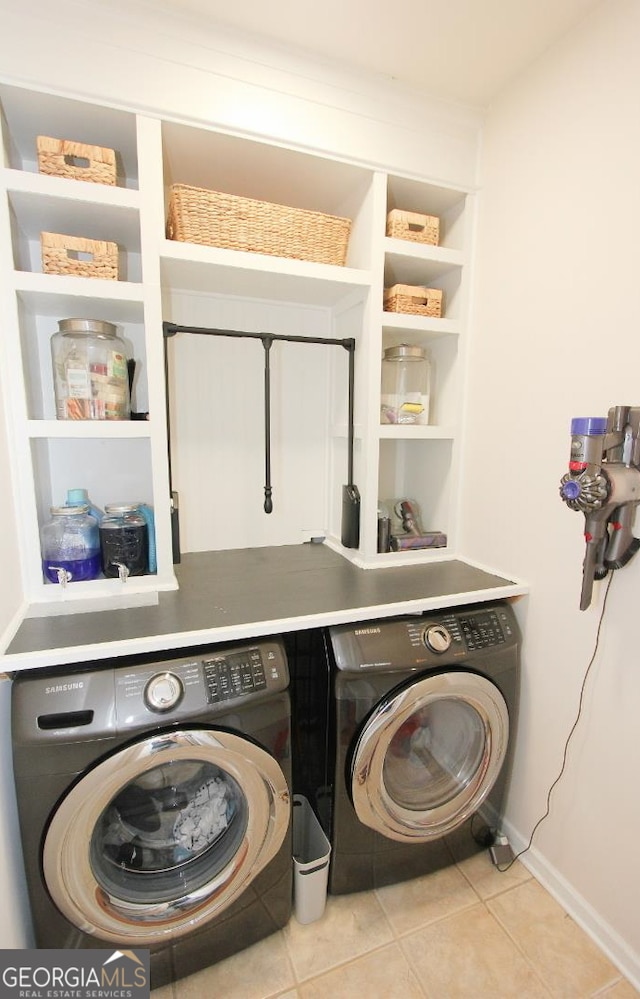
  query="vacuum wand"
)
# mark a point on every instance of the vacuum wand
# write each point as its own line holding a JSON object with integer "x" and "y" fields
{"x": 350, "y": 527}
{"x": 603, "y": 483}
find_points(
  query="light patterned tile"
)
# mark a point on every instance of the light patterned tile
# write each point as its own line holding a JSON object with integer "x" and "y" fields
{"x": 258, "y": 972}
{"x": 621, "y": 990}
{"x": 351, "y": 926}
{"x": 562, "y": 954}
{"x": 382, "y": 973}
{"x": 416, "y": 903}
{"x": 469, "y": 954}
{"x": 165, "y": 992}
{"x": 486, "y": 879}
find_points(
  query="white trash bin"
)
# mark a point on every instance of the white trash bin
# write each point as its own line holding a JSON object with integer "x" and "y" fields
{"x": 311, "y": 851}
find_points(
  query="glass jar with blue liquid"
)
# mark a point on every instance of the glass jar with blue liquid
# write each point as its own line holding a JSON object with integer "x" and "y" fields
{"x": 70, "y": 545}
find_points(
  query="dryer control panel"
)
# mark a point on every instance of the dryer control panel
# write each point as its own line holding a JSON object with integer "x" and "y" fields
{"x": 425, "y": 640}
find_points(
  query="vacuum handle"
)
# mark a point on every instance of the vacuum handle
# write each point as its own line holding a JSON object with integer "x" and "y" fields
{"x": 351, "y": 347}
{"x": 268, "y": 502}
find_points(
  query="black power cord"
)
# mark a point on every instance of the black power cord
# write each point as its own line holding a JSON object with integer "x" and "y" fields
{"x": 504, "y": 869}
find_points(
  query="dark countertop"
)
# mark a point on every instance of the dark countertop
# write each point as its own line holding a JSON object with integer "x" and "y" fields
{"x": 229, "y": 595}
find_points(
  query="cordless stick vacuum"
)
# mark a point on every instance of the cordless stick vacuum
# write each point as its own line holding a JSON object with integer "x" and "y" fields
{"x": 603, "y": 483}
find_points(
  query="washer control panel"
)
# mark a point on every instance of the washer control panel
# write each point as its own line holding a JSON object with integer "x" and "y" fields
{"x": 186, "y": 687}
{"x": 240, "y": 673}
{"x": 101, "y": 701}
{"x": 424, "y": 640}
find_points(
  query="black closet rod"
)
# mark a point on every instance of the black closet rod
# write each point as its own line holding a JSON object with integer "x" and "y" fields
{"x": 170, "y": 329}
{"x": 349, "y": 344}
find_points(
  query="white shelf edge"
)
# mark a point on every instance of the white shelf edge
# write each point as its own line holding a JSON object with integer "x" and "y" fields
{"x": 401, "y": 322}
{"x": 423, "y": 251}
{"x": 86, "y": 429}
{"x": 43, "y": 185}
{"x": 98, "y": 594}
{"x": 412, "y": 433}
{"x": 35, "y": 283}
{"x": 241, "y": 260}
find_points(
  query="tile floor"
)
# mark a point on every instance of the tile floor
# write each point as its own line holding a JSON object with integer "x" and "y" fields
{"x": 467, "y": 931}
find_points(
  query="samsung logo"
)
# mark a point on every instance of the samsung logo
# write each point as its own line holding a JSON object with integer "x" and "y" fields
{"x": 60, "y": 688}
{"x": 367, "y": 631}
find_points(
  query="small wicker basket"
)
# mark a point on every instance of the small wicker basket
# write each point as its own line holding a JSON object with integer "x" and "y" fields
{"x": 413, "y": 299}
{"x": 413, "y": 226}
{"x": 197, "y": 215}
{"x": 76, "y": 160}
{"x": 79, "y": 257}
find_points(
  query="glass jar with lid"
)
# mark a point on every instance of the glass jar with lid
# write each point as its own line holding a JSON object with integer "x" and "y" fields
{"x": 91, "y": 378}
{"x": 406, "y": 385}
{"x": 70, "y": 545}
{"x": 124, "y": 541}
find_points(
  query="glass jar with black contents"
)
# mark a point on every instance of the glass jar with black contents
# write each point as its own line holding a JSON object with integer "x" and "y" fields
{"x": 124, "y": 541}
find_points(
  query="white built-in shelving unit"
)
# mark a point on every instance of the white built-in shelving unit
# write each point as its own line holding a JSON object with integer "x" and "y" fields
{"x": 216, "y": 400}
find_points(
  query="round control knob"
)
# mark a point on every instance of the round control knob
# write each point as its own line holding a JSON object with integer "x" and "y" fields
{"x": 163, "y": 692}
{"x": 437, "y": 638}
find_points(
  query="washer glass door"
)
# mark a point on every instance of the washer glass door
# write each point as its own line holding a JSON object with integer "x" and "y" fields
{"x": 165, "y": 834}
{"x": 428, "y": 755}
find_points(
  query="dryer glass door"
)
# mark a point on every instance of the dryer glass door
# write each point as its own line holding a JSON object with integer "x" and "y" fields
{"x": 165, "y": 834}
{"x": 428, "y": 755}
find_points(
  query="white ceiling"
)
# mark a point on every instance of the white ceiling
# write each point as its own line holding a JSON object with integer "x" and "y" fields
{"x": 460, "y": 50}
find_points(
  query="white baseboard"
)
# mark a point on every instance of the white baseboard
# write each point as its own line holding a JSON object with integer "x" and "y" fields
{"x": 606, "y": 938}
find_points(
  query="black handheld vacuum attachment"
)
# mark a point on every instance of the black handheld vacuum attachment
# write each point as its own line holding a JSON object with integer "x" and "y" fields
{"x": 351, "y": 496}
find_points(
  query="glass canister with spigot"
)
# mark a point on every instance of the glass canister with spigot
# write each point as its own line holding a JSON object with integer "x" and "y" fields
{"x": 70, "y": 545}
{"x": 124, "y": 541}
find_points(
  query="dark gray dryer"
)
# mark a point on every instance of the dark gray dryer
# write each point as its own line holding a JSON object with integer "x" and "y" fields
{"x": 154, "y": 803}
{"x": 422, "y": 734}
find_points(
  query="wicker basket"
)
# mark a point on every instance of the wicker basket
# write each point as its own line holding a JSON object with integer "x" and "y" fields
{"x": 413, "y": 226}
{"x": 233, "y": 223}
{"x": 79, "y": 257}
{"x": 414, "y": 300}
{"x": 76, "y": 160}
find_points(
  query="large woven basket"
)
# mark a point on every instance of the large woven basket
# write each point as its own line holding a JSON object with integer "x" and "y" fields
{"x": 76, "y": 256}
{"x": 76, "y": 160}
{"x": 197, "y": 215}
{"x": 414, "y": 300}
{"x": 413, "y": 226}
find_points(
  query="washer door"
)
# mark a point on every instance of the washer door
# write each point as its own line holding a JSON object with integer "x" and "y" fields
{"x": 428, "y": 756}
{"x": 165, "y": 834}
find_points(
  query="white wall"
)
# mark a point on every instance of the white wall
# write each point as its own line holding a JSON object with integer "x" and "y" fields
{"x": 127, "y": 56}
{"x": 132, "y": 55}
{"x": 10, "y": 592}
{"x": 557, "y": 334}
{"x": 557, "y": 315}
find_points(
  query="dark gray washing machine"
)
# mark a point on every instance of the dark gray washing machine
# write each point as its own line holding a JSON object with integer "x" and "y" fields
{"x": 154, "y": 803}
{"x": 422, "y": 734}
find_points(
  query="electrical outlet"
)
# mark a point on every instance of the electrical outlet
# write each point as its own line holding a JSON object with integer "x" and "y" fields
{"x": 501, "y": 852}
